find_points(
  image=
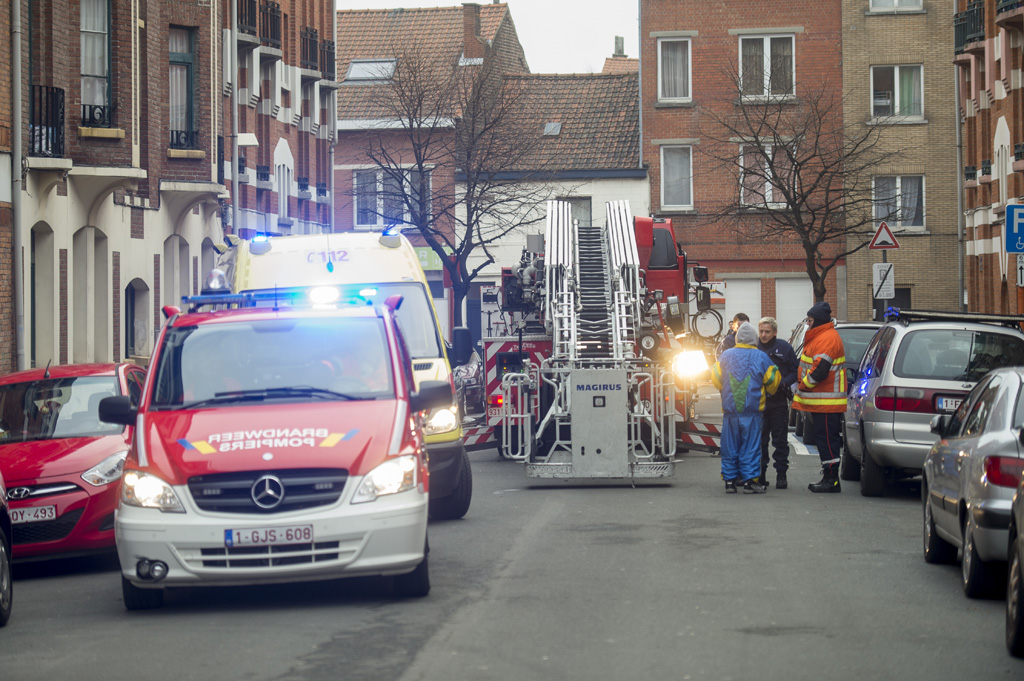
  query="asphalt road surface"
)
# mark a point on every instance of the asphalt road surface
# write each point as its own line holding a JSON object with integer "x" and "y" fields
{"x": 552, "y": 581}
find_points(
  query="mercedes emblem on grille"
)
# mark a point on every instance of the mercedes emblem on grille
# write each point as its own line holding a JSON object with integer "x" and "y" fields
{"x": 19, "y": 492}
{"x": 268, "y": 492}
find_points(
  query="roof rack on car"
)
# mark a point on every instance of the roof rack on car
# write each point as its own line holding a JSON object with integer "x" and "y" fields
{"x": 896, "y": 314}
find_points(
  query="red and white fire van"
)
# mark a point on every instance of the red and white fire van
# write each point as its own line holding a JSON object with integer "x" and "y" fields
{"x": 275, "y": 443}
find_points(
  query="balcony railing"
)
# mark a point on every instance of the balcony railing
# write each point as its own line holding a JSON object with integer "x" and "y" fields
{"x": 303, "y": 183}
{"x": 248, "y": 17}
{"x": 46, "y": 122}
{"x": 241, "y": 164}
{"x": 986, "y": 167}
{"x": 308, "y": 39}
{"x": 184, "y": 139}
{"x": 321, "y": 189}
{"x": 970, "y": 173}
{"x": 1018, "y": 152}
{"x": 969, "y": 25}
{"x": 97, "y": 116}
{"x": 270, "y": 24}
{"x": 328, "y": 62}
{"x": 1008, "y": 5}
{"x": 263, "y": 173}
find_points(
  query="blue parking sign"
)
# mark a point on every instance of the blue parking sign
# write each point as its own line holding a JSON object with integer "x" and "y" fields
{"x": 1015, "y": 228}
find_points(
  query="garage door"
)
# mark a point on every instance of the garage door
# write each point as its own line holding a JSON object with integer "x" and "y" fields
{"x": 793, "y": 297}
{"x": 742, "y": 295}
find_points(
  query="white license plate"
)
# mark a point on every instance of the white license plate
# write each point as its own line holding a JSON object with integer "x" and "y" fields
{"x": 35, "y": 514}
{"x": 948, "y": 403}
{"x": 269, "y": 536}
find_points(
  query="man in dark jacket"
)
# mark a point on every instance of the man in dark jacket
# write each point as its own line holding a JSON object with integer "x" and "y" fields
{"x": 730, "y": 338}
{"x": 776, "y": 409}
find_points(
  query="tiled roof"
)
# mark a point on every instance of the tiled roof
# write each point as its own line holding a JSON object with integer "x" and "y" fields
{"x": 598, "y": 114}
{"x": 621, "y": 65}
{"x": 371, "y": 34}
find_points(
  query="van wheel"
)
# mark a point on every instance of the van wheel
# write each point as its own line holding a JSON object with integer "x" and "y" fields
{"x": 1015, "y": 602}
{"x": 849, "y": 467}
{"x": 872, "y": 476}
{"x": 936, "y": 549}
{"x": 980, "y": 578}
{"x": 415, "y": 584}
{"x": 456, "y": 504}
{"x": 140, "y": 599}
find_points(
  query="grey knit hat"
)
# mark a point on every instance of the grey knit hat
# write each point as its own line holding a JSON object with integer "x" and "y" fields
{"x": 746, "y": 334}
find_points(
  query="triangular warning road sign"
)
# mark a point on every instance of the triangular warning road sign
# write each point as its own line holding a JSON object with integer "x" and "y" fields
{"x": 883, "y": 238}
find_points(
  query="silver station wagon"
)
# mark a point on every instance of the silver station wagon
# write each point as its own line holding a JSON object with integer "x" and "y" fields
{"x": 919, "y": 364}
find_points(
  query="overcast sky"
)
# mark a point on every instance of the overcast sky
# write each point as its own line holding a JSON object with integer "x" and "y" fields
{"x": 558, "y": 36}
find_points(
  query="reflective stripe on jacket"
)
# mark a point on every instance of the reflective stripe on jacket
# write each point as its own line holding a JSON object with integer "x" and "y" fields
{"x": 828, "y": 395}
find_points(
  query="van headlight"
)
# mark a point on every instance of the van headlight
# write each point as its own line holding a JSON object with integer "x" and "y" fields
{"x": 689, "y": 363}
{"x": 148, "y": 491}
{"x": 442, "y": 421}
{"x": 106, "y": 471}
{"x": 391, "y": 477}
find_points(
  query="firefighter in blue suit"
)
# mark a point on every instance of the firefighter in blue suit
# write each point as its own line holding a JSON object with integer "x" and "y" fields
{"x": 745, "y": 376}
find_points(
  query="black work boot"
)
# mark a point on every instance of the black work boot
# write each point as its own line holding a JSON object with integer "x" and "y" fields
{"x": 780, "y": 480}
{"x": 752, "y": 486}
{"x": 730, "y": 487}
{"x": 829, "y": 483}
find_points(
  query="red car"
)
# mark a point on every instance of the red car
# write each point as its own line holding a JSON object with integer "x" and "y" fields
{"x": 62, "y": 465}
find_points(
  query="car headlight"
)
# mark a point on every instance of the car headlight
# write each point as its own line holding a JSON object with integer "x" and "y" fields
{"x": 149, "y": 491}
{"x": 442, "y": 421}
{"x": 391, "y": 477}
{"x": 106, "y": 471}
{"x": 689, "y": 363}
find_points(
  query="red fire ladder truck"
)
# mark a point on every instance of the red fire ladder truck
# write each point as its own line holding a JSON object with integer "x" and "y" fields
{"x": 583, "y": 385}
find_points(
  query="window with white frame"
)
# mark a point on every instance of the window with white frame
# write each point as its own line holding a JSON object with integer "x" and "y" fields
{"x": 897, "y": 91}
{"x": 581, "y": 209}
{"x": 899, "y": 200}
{"x": 94, "y": 36}
{"x": 676, "y": 177}
{"x": 766, "y": 172}
{"x": 373, "y": 70}
{"x": 766, "y": 66}
{"x": 895, "y": 4}
{"x": 673, "y": 70}
{"x": 383, "y": 199}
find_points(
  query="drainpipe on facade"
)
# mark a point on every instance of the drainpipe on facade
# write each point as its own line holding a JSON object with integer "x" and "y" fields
{"x": 960, "y": 226}
{"x": 234, "y": 117}
{"x": 16, "y": 180}
{"x": 640, "y": 84}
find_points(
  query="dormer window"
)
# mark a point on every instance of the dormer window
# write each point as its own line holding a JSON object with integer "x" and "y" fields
{"x": 367, "y": 70}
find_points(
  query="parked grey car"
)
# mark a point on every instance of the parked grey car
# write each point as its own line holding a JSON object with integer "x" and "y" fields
{"x": 918, "y": 364}
{"x": 969, "y": 479}
{"x": 1015, "y": 577}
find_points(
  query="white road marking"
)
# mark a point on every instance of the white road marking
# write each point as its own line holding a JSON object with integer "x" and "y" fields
{"x": 798, "y": 447}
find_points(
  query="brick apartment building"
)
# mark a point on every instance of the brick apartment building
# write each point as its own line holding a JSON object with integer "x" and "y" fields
{"x": 125, "y": 121}
{"x": 8, "y": 346}
{"x": 690, "y": 54}
{"x": 896, "y": 72}
{"x": 988, "y": 39}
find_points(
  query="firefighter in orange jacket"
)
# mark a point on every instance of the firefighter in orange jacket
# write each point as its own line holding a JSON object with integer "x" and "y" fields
{"x": 820, "y": 390}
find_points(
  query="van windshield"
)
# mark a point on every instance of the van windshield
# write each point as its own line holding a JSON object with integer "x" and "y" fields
{"x": 274, "y": 359}
{"x": 941, "y": 354}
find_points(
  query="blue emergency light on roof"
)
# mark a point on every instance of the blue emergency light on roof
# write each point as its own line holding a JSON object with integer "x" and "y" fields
{"x": 324, "y": 295}
{"x": 259, "y": 237}
{"x": 391, "y": 237}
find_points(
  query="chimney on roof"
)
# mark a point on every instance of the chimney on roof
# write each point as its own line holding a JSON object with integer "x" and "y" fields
{"x": 472, "y": 45}
{"x": 620, "y": 46}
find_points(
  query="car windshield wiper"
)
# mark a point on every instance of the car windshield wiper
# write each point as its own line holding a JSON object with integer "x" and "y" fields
{"x": 271, "y": 393}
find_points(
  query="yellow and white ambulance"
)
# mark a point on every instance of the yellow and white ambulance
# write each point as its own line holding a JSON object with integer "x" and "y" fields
{"x": 374, "y": 266}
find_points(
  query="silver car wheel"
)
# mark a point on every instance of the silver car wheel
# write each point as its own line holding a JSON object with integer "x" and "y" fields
{"x": 6, "y": 586}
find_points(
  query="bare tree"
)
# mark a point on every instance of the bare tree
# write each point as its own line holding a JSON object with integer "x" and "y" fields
{"x": 453, "y": 160}
{"x": 801, "y": 172}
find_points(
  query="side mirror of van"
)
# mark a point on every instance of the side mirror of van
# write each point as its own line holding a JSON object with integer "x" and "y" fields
{"x": 940, "y": 424}
{"x": 431, "y": 394}
{"x": 118, "y": 410}
{"x": 462, "y": 342}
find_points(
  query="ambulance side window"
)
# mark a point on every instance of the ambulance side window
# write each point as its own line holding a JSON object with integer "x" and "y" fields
{"x": 403, "y": 352}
